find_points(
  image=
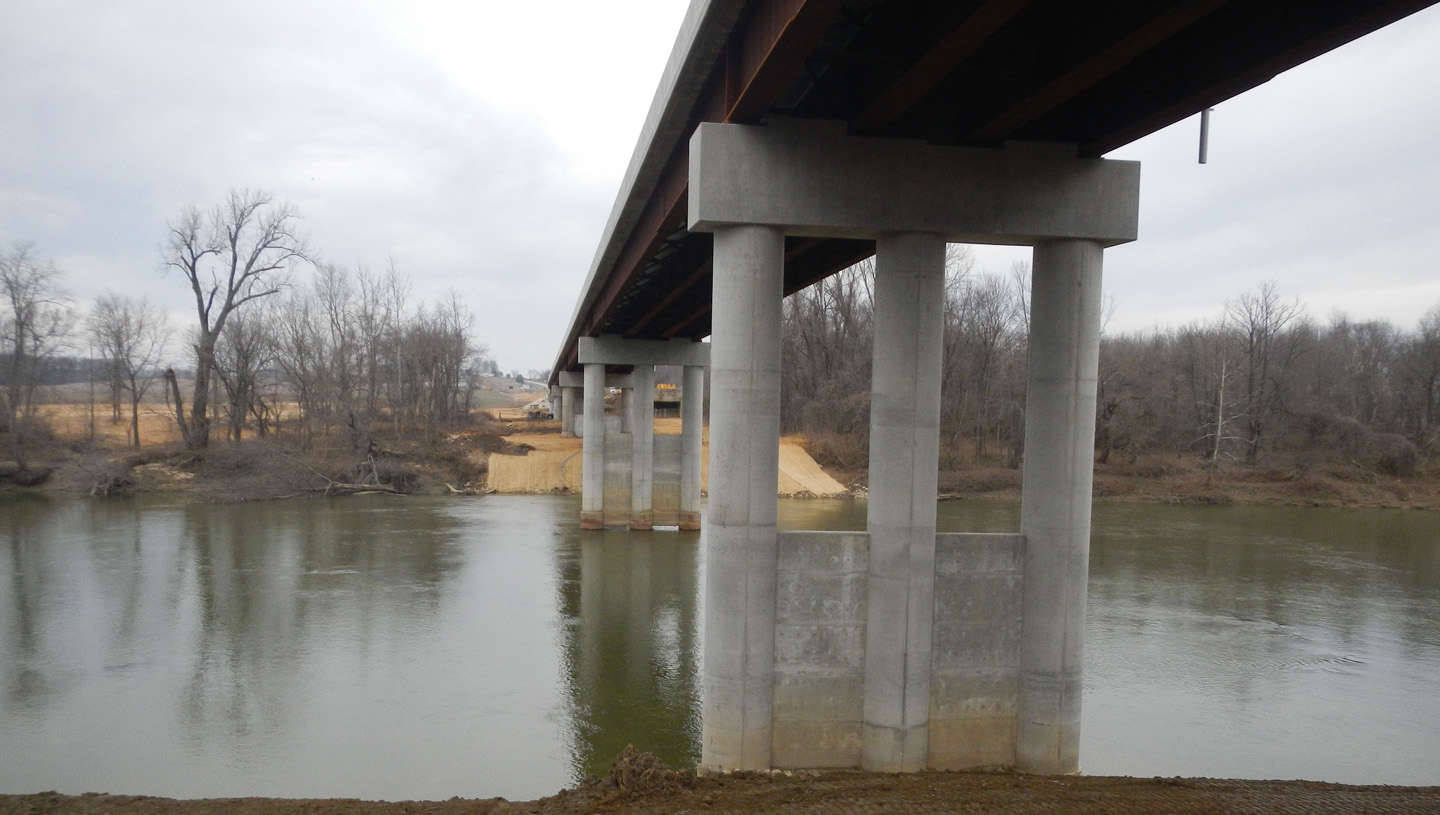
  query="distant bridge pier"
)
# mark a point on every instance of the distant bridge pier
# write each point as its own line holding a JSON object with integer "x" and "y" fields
{"x": 569, "y": 398}
{"x": 592, "y": 467}
{"x": 692, "y": 432}
{"x": 623, "y": 459}
{"x": 642, "y": 447}
{"x": 842, "y": 649}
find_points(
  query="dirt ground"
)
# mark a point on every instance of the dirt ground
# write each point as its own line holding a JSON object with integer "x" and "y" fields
{"x": 634, "y": 791}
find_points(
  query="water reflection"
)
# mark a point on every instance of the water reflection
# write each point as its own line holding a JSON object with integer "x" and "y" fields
{"x": 632, "y": 649}
{"x": 228, "y": 641}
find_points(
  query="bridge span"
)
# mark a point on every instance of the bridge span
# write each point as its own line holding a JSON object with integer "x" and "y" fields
{"x": 790, "y": 139}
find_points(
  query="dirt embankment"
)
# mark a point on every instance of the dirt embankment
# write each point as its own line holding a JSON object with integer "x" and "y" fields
{"x": 638, "y": 784}
{"x": 553, "y": 464}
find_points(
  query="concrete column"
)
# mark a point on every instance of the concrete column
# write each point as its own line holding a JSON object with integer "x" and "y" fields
{"x": 568, "y": 398}
{"x": 1055, "y": 500}
{"x": 642, "y": 448}
{"x": 904, "y": 464}
{"x": 592, "y": 494}
{"x": 740, "y": 543}
{"x": 692, "y": 429}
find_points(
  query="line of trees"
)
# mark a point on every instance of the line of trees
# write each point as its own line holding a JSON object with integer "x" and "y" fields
{"x": 1265, "y": 380}
{"x": 351, "y": 350}
{"x": 1261, "y": 382}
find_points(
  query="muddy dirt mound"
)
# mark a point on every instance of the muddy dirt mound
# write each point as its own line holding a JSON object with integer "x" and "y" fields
{"x": 641, "y": 772}
{"x": 633, "y": 776}
{"x": 801, "y": 477}
{"x": 21, "y": 476}
{"x": 494, "y": 443}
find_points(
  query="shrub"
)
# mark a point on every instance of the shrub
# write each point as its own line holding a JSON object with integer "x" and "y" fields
{"x": 1391, "y": 454}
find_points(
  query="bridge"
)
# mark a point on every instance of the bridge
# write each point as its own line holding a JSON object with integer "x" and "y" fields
{"x": 790, "y": 139}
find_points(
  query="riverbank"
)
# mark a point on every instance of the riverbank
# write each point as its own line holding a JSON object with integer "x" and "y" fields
{"x": 1183, "y": 480}
{"x": 529, "y": 456}
{"x": 832, "y": 792}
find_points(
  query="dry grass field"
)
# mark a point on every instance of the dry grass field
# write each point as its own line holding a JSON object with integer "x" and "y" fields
{"x": 77, "y": 422}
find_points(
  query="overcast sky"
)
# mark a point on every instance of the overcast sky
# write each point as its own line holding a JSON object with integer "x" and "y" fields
{"x": 481, "y": 145}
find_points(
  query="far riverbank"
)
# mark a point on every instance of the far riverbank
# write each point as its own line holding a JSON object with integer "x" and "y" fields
{"x": 459, "y": 461}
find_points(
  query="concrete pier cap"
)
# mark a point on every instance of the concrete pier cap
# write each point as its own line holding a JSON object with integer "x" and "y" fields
{"x": 1003, "y": 682}
{"x": 815, "y": 181}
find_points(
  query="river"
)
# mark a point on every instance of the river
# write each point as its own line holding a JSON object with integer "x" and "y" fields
{"x": 421, "y": 648}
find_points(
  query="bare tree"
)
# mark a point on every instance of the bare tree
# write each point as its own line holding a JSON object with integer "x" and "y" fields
{"x": 131, "y": 335}
{"x": 239, "y": 251}
{"x": 1420, "y": 379}
{"x": 35, "y": 321}
{"x": 302, "y": 353}
{"x": 1265, "y": 326}
{"x": 825, "y": 364}
{"x": 985, "y": 334}
{"x": 434, "y": 349}
{"x": 243, "y": 352}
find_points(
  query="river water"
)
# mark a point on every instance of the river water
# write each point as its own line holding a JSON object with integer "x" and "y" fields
{"x": 408, "y": 648}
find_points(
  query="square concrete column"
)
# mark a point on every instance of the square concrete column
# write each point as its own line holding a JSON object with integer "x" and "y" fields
{"x": 692, "y": 429}
{"x": 1055, "y": 500}
{"x": 592, "y": 482}
{"x": 568, "y": 398}
{"x": 740, "y": 542}
{"x": 642, "y": 448}
{"x": 904, "y": 465}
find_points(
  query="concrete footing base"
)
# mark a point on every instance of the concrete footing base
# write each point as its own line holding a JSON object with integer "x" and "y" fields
{"x": 821, "y": 645}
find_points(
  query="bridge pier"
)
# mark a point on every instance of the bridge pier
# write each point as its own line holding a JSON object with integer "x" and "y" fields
{"x": 740, "y": 550}
{"x": 642, "y": 447}
{"x": 900, "y": 514}
{"x": 569, "y": 397}
{"x": 592, "y": 491}
{"x": 624, "y": 464}
{"x": 692, "y": 431}
{"x": 1065, "y": 309}
{"x": 811, "y": 670}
